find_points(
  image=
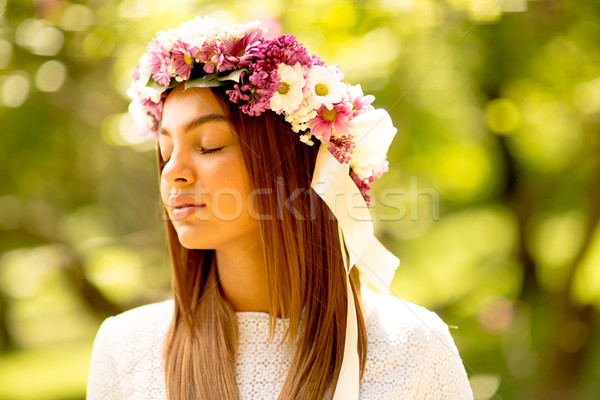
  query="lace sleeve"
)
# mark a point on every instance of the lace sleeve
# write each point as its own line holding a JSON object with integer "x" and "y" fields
{"x": 102, "y": 377}
{"x": 443, "y": 376}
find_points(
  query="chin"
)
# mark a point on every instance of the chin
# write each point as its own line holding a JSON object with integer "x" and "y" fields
{"x": 195, "y": 241}
{"x": 196, "y": 245}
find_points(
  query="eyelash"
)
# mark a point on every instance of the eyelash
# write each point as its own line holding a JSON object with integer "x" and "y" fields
{"x": 202, "y": 150}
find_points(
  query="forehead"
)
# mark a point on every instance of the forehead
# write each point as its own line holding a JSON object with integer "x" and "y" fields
{"x": 182, "y": 106}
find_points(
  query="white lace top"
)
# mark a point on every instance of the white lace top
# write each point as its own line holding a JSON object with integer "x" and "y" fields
{"x": 410, "y": 355}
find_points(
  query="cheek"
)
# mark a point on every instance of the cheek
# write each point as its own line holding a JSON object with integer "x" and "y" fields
{"x": 165, "y": 190}
{"x": 229, "y": 188}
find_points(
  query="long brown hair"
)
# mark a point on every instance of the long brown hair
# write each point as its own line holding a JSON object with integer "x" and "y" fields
{"x": 305, "y": 274}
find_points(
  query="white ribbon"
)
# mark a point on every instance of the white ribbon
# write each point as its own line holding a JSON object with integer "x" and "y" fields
{"x": 332, "y": 182}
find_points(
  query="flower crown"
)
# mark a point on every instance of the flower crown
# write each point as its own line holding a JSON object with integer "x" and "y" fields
{"x": 262, "y": 74}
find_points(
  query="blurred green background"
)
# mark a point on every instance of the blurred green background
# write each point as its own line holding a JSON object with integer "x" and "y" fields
{"x": 492, "y": 200}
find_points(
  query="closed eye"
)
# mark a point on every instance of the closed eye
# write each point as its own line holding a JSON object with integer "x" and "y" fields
{"x": 207, "y": 151}
{"x": 201, "y": 149}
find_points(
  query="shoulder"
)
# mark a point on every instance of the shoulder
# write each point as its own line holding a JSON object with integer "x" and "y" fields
{"x": 394, "y": 318}
{"x": 138, "y": 330}
{"x": 410, "y": 352}
{"x": 398, "y": 328}
{"x": 146, "y": 318}
{"x": 127, "y": 352}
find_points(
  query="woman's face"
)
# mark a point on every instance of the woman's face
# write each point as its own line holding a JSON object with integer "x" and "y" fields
{"x": 204, "y": 183}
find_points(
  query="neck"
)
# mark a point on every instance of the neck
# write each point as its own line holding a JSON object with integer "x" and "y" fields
{"x": 242, "y": 275}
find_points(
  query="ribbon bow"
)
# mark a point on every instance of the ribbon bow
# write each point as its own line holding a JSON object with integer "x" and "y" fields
{"x": 332, "y": 182}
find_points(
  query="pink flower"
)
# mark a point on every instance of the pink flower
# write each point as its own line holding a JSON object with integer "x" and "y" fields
{"x": 257, "y": 87}
{"x": 183, "y": 58}
{"x": 209, "y": 55}
{"x": 253, "y": 100}
{"x": 154, "y": 109}
{"x": 283, "y": 49}
{"x": 363, "y": 185}
{"x": 136, "y": 73}
{"x": 159, "y": 62}
{"x": 239, "y": 53}
{"x": 341, "y": 148}
{"x": 227, "y": 55}
{"x": 338, "y": 118}
{"x": 360, "y": 102}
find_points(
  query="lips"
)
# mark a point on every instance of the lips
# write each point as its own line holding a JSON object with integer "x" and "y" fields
{"x": 183, "y": 206}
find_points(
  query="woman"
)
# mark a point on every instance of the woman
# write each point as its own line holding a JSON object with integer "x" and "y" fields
{"x": 255, "y": 141}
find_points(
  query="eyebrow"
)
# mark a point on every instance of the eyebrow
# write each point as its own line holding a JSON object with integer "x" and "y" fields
{"x": 196, "y": 122}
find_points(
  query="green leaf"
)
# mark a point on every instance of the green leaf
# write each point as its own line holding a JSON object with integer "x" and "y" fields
{"x": 157, "y": 86}
{"x": 233, "y": 76}
{"x": 214, "y": 80}
{"x": 208, "y": 80}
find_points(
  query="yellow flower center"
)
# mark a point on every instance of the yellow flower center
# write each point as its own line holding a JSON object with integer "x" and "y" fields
{"x": 321, "y": 90}
{"x": 328, "y": 115}
{"x": 188, "y": 60}
{"x": 284, "y": 88}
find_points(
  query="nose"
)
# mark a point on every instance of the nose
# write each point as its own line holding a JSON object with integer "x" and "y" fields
{"x": 178, "y": 170}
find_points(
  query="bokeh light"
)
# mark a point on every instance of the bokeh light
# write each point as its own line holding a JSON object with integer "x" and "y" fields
{"x": 5, "y": 53}
{"x": 38, "y": 37}
{"x": 50, "y": 76}
{"x": 14, "y": 89}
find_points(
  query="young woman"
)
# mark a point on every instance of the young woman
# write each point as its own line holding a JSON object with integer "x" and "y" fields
{"x": 266, "y": 302}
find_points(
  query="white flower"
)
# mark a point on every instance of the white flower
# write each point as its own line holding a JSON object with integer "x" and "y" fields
{"x": 299, "y": 118}
{"x": 326, "y": 86}
{"x": 138, "y": 90}
{"x": 288, "y": 96}
{"x": 167, "y": 39}
{"x": 171, "y": 70}
{"x": 237, "y": 31}
{"x": 150, "y": 93}
{"x": 144, "y": 123}
{"x": 132, "y": 93}
{"x": 373, "y": 132}
{"x": 196, "y": 31}
{"x": 306, "y": 138}
{"x": 144, "y": 69}
{"x": 355, "y": 92}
